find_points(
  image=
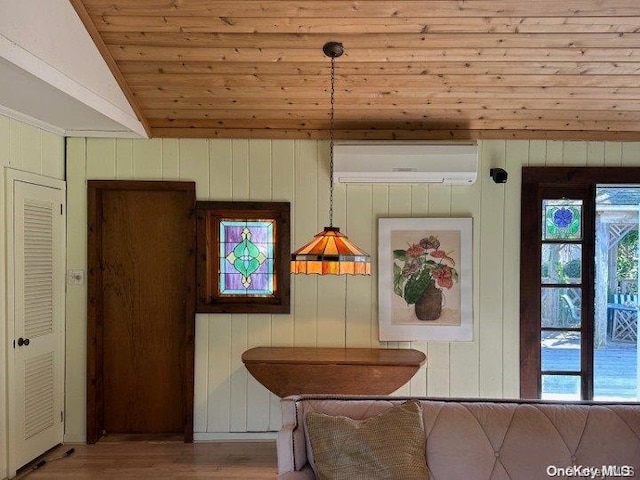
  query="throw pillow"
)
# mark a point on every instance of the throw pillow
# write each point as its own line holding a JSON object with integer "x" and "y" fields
{"x": 389, "y": 446}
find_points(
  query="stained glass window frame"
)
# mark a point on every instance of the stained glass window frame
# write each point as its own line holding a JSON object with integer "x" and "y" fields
{"x": 228, "y": 268}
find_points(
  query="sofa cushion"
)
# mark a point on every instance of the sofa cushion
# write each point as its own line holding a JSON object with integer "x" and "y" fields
{"x": 388, "y": 446}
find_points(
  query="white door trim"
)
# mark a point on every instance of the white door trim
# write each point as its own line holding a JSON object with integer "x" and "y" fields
{"x": 11, "y": 177}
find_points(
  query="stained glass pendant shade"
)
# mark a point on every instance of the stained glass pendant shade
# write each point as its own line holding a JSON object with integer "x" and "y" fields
{"x": 330, "y": 252}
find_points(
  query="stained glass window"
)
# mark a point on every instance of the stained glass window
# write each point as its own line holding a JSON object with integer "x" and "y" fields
{"x": 562, "y": 220}
{"x": 243, "y": 251}
{"x": 247, "y": 257}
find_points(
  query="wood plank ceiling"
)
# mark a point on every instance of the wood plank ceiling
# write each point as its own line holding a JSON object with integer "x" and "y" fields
{"x": 417, "y": 69}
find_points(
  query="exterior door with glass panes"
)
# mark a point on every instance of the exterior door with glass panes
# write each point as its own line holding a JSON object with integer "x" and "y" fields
{"x": 579, "y": 283}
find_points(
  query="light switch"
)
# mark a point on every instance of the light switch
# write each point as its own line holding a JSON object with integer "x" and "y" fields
{"x": 75, "y": 277}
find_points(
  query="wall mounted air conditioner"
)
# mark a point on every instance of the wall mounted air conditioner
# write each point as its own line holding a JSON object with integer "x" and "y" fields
{"x": 405, "y": 162}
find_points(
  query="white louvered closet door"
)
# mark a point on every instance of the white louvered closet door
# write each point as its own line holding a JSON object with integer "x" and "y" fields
{"x": 38, "y": 306}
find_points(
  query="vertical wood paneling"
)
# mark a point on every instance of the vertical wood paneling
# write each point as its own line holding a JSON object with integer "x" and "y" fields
{"x": 595, "y": 154}
{"x": 358, "y": 229}
{"x": 148, "y": 159}
{"x": 219, "y": 370}
{"x": 283, "y": 170}
{"x": 555, "y": 150}
{"x": 323, "y": 189}
{"x": 101, "y": 158}
{"x": 240, "y": 170}
{"x": 574, "y": 153}
{"x": 124, "y": 159}
{"x": 537, "y": 153}
{"x": 5, "y": 140}
{"x": 52, "y": 155}
{"x": 305, "y": 225}
{"x": 419, "y": 200}
{"x": 238, "y": 381}
{"x": 194, "y": 164}
{"x": 399, "y": 201}
{"x": 220, "y": 169}
{"x": 516, "y": 155}
{"x": 379, "y": 209}
{"x": 491, "y": 272}
{"x": 5, "y": 151}
{"x": 260, "y": 170}
{"x": 258, "y": 400}
{"x": 613, "y": 154}
{"x": 171, "y": 159}
{"x": 332, "y": 312}
{"x": 283, "y": 181}
{"x": 631, "y": 153}
{"x": 219, "y": 360}
{"x": 31, "y": 149}
{"x": 76, "y": 297}
{"x": 15, "y": 144}
{"x": 464, "y": 364}
{"x": 326, "y": 311}
{"x": 283, "y": 187}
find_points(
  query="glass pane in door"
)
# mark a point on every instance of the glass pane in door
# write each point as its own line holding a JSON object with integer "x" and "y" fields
{"x": 561, "y": 263}
{"x": 615, "y": 373}
{"x": 562, "y": 219}
{"x": 560, "y": 307}
{"x": 560, "y": 351}
{"x": 560, "y": 387}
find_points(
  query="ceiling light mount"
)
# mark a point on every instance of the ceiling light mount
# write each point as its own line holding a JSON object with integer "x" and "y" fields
{"x": 333, "y": 49}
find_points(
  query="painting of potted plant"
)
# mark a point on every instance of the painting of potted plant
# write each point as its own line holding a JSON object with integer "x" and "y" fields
{"x": 420, "y": 274}
{"x": 425, "y": 279}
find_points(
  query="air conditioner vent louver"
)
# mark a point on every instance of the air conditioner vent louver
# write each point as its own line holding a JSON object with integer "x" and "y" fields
{"x": 405, "y": 162}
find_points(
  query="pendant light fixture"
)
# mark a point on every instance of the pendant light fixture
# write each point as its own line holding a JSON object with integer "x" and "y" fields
{"x": 330, "y": 252}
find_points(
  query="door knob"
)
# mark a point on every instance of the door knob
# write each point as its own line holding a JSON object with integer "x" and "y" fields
{"x": 23, "y": 341}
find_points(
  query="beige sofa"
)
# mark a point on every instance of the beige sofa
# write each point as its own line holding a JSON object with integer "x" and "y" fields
{"x": 488, "y": 439}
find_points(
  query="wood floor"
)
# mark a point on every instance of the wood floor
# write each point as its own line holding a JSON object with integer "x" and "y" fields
{"x": 159, "y": 460}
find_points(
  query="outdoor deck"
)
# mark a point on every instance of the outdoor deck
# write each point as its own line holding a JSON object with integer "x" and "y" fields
{"x": 615, "y": 369}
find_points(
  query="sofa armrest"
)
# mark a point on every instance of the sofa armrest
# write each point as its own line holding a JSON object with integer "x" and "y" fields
{"x": 284, "y": 443}
{"x": 292, "y": 451}
{"x": 305, "y": 474}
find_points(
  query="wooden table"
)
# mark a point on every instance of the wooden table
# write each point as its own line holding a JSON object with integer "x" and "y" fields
{"x": 348, "y": 371}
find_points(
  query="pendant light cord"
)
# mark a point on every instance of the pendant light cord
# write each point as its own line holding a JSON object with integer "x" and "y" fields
{"x": 331, "y": 140}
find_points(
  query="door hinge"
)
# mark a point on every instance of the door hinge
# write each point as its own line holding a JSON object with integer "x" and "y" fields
{"x": 60, "y": 209}
{"x": 61, "y": 416}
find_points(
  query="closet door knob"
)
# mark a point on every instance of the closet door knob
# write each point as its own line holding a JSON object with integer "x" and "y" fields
{"x": 23, "y": 341}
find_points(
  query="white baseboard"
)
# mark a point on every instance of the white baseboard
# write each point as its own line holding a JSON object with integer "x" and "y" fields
{"x": 237, "y": 436}
{"x": 74, "y": 439}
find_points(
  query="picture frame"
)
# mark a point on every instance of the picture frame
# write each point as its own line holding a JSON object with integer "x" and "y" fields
{"x": 425, "y": 268}
{"x": 243, "y": 251}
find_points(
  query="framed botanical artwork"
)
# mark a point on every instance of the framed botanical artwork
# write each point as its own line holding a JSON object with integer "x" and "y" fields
{"x": 243, "y": 253}
{"x": 425, "y": 279}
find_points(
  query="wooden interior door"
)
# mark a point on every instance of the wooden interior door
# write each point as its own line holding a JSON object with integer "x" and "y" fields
{"x": 36, "y": 311}
{"x": 141, "y": 308}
